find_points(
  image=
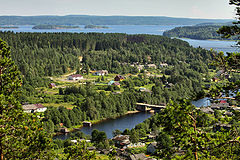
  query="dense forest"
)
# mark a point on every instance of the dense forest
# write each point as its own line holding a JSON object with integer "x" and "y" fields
{"x": 201, "y": 32}
{"x": 102, "y": 20}
{"x": 40, "y": 55}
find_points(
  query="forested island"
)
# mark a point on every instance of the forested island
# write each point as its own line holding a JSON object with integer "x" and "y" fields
{"x": 8, "y": 27}
{"x": 201, "y": 32}
{"x": 45, "y": 26}
{"x": 95, "y": 27}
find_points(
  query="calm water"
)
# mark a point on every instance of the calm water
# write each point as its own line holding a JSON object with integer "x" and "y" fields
{"x": 108, "y": 126}
{"x": 129, "y": 121}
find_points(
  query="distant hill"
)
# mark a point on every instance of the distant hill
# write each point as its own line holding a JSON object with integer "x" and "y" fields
{"x": 103, "y": 20}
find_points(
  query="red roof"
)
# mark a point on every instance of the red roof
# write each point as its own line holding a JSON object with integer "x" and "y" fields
{"x": 222, "y": 101}
{"x": 76, "y": 75}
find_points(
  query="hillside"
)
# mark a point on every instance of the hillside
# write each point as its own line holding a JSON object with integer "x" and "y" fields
{"x": 103, "y": 20}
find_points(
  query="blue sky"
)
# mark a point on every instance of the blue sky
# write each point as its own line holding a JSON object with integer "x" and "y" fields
{"x": 219, "y": 9}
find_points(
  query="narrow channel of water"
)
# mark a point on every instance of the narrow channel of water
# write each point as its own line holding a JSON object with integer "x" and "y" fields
{"x": 108, "y": 126}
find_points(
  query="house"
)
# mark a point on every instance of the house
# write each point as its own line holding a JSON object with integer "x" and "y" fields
{"x": 64, "y": 130}
{"x": 163, "y": 64}
{"x": 87, "y": 124}
{"x": 32, "y": 108}
{"x": 152, "y": 147}
{"x": 111, "y": 82}
{"x": 215, "y": 79}
{"x": 140, "y": 67}
{"x": 121, "y": 140}
{"x": 75, "y": 77}
{"x": 100, "y": 73}
{"x": 52, "y": 85}
{"x": 207, "y": 110}
{"x": 116, "y": 84}
{"x": 151, "y": 66}
{"x": 119, "y": 78}
{"x": 144, "y": 90}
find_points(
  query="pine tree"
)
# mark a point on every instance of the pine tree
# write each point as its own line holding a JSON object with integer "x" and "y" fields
{"x": 21, "y": 135}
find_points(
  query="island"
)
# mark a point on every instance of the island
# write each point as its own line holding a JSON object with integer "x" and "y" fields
{"x": 8, "y": 27}
{"x": 95, "y": 27}
{"x": 199, "y": 32}
{"x": 46, "y": 26}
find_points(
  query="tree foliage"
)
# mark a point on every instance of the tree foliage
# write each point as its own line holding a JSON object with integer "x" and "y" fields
{"x": 21, "y": 135}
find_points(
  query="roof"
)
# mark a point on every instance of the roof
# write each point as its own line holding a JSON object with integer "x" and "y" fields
{"x": 207, "y": 110}
{"x": 76, "y": 75}
{"x": 121, "y": 137}
{"x": 138, "y": 156}
{"x": 116, "y": 84}
{"x": 222, "y": 101}
{"x": 153, "y": 144}
{"x": 32, "y": 106}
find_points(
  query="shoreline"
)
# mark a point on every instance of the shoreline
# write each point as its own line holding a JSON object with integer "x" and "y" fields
{"x": 78, "y": 127}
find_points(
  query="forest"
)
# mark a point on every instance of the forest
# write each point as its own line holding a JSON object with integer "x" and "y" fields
{"x": 201, "y": 32}
{"x": 43, "y": 55}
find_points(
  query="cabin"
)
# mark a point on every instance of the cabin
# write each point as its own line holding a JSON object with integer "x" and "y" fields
{"x": 87, "y": 124}
{"x": 52, "y": 85}
{"x": 163, "y": 65}
{"x": 64, "y": 130}
{"x": 121, "y": 140}
{"x": 33, "y": 108}
{"x": 215, "y": 79}
{"x": 119, "y": 78}
{"x": 116, "y": 84}
{"x": 151, "y": 66}
{"x": 75, "y": 77}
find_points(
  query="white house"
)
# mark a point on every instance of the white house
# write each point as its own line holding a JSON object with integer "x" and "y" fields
{"x": 32, "y": 108}
{"x": 100, "y": 73}
{"x": 75, "y": 77}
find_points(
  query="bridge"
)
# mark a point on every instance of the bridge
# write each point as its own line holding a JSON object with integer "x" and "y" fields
{"x": 147, "y": 107}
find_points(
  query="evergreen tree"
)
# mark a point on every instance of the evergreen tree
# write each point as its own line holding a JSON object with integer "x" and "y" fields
{"x": 21, "y": 135}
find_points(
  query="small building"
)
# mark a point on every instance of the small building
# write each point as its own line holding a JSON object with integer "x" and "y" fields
{"x": 52, "y": 85}
{"x": 64, "y": 130}
{"x": 119, "y": 78}
{"x": 32, "y": 108}
{"x": 169, "y": 85}
{"x": 121, "y": 140}
{"x": 151, "y": 66}
{"x": 215, "y": 79}
{"x": 152, "y": 147}
{"x": 87, "y": 124}
{"x": 144, "y": 90}
{"x": 111, "y": 82}
{"x": 100, "y": 73}
{"x": 163, "y": 64}
{"x": 75, "y": 77}
{"x": 116, "y": 84}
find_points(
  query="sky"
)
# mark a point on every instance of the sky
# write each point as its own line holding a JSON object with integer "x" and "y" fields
{"x": 210, "y": 9}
